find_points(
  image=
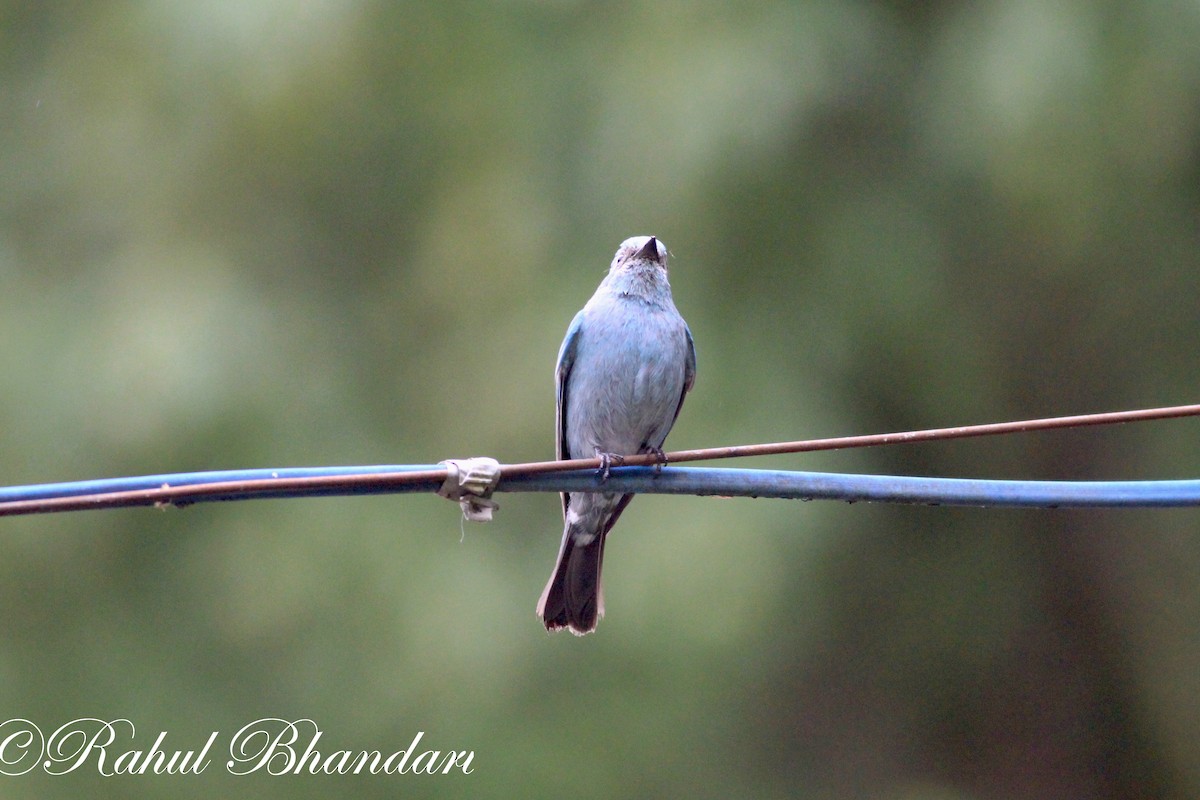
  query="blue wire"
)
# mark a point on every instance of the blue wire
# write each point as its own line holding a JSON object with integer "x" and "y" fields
{"x": 47, "y": 491}
{"x": 689, "y": 480}
{"x": 873, "y": 488}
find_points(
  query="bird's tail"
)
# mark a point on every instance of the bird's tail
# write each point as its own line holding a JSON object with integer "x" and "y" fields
{"x": 573, "y": 598}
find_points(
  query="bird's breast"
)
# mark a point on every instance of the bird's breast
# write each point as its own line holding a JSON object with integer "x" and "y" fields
{"x": 626, "y": 382}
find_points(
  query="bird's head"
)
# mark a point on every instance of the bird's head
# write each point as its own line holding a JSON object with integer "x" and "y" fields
{"x": 639, "y": 254}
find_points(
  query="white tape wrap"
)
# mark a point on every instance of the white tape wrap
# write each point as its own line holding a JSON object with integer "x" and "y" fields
{"x": 469, "y": 482}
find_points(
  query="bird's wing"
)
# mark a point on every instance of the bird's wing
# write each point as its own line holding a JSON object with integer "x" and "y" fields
{"x": 689, "y": 372}
{"x": 562, "y": 374}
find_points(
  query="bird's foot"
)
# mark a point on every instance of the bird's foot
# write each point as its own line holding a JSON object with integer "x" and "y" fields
{"x": 607, "y": 461}
{"x": 660, "y": 458}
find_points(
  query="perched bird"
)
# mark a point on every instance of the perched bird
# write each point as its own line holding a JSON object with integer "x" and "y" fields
{"x": 623, "y": 370}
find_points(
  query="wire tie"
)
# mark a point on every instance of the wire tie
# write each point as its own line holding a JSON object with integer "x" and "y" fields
{"x": 470, "y": 482}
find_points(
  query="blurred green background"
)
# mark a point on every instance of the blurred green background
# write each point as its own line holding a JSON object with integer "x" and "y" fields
{"x": 274, "y": 234}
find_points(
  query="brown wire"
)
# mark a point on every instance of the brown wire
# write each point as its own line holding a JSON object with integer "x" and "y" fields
{"x": 181, "y": 495}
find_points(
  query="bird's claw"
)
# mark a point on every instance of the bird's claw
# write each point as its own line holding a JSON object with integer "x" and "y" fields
{"x": 607, "y": 461}
{"x": 660, "y": 458}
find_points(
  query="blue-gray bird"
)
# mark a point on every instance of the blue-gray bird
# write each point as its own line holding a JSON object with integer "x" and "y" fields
{"x": 623, "y": 371}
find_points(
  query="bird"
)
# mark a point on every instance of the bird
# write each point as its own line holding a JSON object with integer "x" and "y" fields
{"x": 624, "y": 369}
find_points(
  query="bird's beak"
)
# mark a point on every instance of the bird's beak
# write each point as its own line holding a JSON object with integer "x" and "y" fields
{"x": 649, "y": 250}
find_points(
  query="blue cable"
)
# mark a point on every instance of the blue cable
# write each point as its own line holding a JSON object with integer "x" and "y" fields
{"x": 47, "y": 491}
{"x": 688, "y": 480}
{"x": 873, "y": 488}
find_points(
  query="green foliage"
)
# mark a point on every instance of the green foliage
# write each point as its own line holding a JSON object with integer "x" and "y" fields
{"x": 238, "y": 235}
